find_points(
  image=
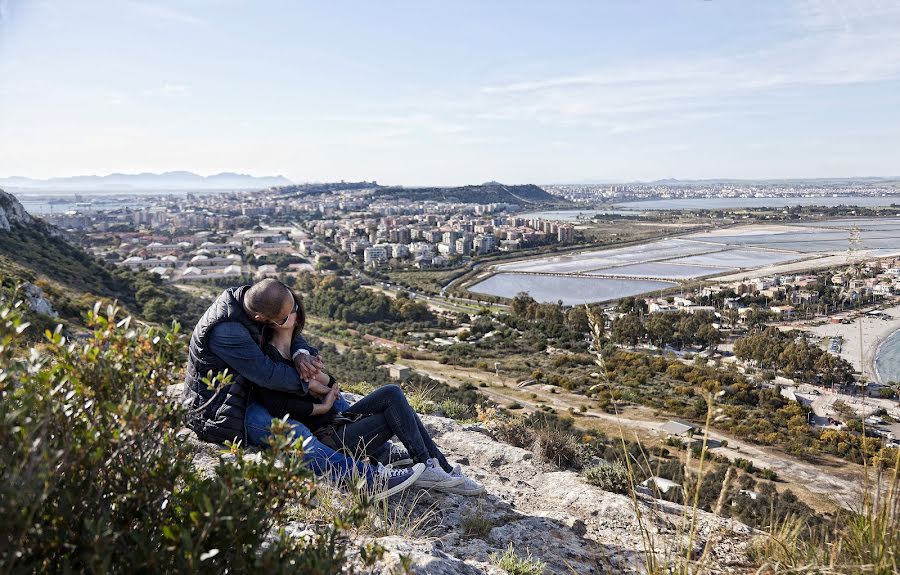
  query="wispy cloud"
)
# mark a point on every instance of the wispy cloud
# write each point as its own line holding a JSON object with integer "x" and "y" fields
{"x": 825, "y": 43}
{"x": 409, "y": 123}
{"x": 175, "y": 90}
{"x": 160, "y": 11}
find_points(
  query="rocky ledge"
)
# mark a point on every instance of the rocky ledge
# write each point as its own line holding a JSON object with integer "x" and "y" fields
{"x": 556, "y": 516}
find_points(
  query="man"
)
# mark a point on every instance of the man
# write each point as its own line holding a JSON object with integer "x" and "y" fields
{"x": 226, "y": 339}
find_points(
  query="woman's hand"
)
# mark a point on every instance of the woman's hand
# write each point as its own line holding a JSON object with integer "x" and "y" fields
{"x": 327, "y": 401}
{"x": 333, "y": 395}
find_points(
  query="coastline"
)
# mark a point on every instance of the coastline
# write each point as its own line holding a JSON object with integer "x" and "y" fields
{"x": 878, "y": 352}
{"x": 875, "y": 333}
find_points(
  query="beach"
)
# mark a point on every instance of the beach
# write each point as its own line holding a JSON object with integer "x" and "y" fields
{"x": 874, "y": 332}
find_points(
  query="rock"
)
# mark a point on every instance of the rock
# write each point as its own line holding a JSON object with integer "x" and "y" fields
{"x": 36, "y": 300}
{"x": 12, "y": 212}
{"x": 556, "y": 516}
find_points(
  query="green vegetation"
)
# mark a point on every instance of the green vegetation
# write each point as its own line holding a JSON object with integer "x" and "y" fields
{"x": 612, "y": 477}
{"x": 96, "y": 477}
{"x": 791, "y": 354}
{"x": 492, "y": 193}
{"x": 513, "y": 564}
{"x": 342, "y": 299}
{"x": 476, "y": 524}
{"x": 757, "y": 414}
{"x": 678, "y": 329}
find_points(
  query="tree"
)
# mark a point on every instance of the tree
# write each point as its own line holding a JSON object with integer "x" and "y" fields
{"x": 627, "y": 329}
{"x": 660, "y": 329}
{"x": 709, "y": 337}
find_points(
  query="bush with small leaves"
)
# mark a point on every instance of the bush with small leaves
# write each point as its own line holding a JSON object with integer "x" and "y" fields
{"x": 455, "y": 410}
{"x": 97, "y": 474}
{"x": 612, "y": 477}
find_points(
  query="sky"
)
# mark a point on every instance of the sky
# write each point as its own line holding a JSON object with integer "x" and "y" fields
{"x": 448, "y": 93}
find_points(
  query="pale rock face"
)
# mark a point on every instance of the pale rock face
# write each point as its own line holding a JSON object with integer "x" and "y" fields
{"x": 557, "y": 517}
{"x": 11, "y": 211}
{"x": 36, "y": 300}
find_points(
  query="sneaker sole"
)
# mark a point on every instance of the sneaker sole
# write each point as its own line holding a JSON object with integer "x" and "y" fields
{"x": 462, "y": 491}
{"x": 402, "y": 463}
{"x": 440, "y": 484}
{"x": 400, "y": 487}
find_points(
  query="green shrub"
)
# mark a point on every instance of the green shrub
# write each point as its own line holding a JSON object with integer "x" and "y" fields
{"x": 768, "y": 474}
{"x": 96, "y": 475}
{"x": 611, "y": 477}
{"x": 476, "y": 524}
{"x": 455, "y": 410}
{"x": 510, "y": 562}
{"x": 561, "y": 448}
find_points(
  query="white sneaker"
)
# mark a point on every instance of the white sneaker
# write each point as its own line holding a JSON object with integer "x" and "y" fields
{"x": 435, "y": 476}
{"x": 467, "y": 486}
{"x": 389, "y": 481}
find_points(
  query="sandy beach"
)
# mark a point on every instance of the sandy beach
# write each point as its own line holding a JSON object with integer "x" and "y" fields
{"x": 874, "y": 332}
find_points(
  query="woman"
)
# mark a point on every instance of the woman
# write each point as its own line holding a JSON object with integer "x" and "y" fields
{"x": 367, "y": 425}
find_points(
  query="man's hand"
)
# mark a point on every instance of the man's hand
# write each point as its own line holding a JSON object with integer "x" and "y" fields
{"x": 307, "y": 366}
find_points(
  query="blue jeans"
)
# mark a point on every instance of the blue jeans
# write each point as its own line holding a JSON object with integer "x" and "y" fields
{"x": 320, "y": 458}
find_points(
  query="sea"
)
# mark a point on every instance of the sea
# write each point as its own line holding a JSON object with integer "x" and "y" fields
{"x": 887, "y": 361}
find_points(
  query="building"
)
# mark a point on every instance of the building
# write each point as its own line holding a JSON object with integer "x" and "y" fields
{"x": 374, "y": 255}
{"x": 679, "y": 429}
{"x": 397, "y": 371}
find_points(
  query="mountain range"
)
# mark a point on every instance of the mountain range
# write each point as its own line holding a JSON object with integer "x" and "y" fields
{"x": 180, "y": 180}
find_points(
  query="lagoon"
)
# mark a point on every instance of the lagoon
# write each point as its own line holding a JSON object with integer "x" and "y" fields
{"x": 738, "y": 203}
{"x": 571, "y": 290}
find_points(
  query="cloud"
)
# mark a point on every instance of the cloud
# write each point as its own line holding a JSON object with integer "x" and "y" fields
{"x": 408, "y": 123}
{"x": 175, "y": 90}
{"x": 824, "y": 43}
{"x": 159, "y": 11}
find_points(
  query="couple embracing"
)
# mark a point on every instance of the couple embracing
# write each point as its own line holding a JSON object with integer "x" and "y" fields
{"x": 254, "y": 333}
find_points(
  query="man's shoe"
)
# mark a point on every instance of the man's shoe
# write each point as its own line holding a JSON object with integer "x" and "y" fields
{"x": 390, "y": 481}
{"x": 435, "y": 476}
{"x": 394, "y": 455}
{"x": 468, "y": 486}
{"x": 399, "y": 457}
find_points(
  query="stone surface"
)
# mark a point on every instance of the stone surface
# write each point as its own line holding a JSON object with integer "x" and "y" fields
{"x": 12, "y": 212}
{"x": 558, "y": 518}
{"x": 36, "y": 300}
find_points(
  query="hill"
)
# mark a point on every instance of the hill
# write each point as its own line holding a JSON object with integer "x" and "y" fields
{"x": 557, "y": 517}
{"x": 489, "y": 193}
{"x": 36, "y": 253}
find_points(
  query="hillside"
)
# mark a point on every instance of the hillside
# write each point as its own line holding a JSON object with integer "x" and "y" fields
{"x": 556, "y": 516}
{"x": 489, "y": 193}
{"x": 35, "y": 252}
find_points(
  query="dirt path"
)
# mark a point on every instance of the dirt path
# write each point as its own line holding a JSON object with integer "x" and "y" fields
{"x": 832, "y": 480}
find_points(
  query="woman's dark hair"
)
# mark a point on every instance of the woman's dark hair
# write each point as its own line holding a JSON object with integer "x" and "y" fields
{"x": 301, "y": 312}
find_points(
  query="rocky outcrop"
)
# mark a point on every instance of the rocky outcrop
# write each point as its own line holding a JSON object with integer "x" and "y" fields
{"x": 36, "y": 300}
{"x": 558, "y": 518}
{"x": 12, "y": 212}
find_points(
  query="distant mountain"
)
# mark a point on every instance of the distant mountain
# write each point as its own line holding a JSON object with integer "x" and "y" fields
{"x": 149, "y": 181}
{"x": 488, "y": 193}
